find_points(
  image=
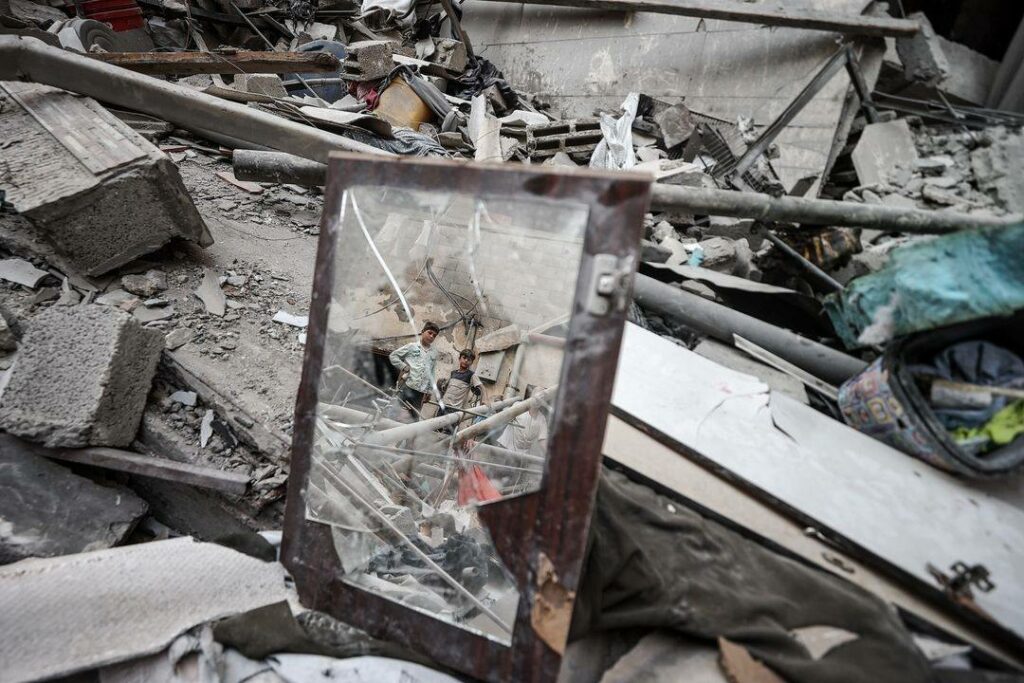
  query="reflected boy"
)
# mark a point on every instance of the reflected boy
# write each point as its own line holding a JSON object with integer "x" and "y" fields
{"x": 417, "y": 361}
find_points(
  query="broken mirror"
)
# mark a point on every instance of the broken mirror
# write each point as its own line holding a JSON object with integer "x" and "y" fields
{"x": 464, "y": 330}
{"x": 443, "y": 353}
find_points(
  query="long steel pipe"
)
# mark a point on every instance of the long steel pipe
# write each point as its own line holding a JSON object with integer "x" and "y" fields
{"x": 813, "y": 212}
{"x": 26, "y": 59}
{"x": 414, "y": 429}
{"x": 722, "y": 322}
{"x": 276, "y": 167}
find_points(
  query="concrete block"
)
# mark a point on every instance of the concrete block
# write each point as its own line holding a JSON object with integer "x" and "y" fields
{"x": 260, "y": 84}
{"x": 885, "y": 153}
{"x": 922, "y": 55}
{"x": 368, "y": 60}
{"x": 93, "y": 188}
{"x": 450, "y": 55}
{"x": 999, "y": 168}
{"x": 81, "y": 378}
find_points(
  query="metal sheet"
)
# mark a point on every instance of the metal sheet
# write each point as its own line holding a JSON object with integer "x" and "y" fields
{"x": 77, "y": 612}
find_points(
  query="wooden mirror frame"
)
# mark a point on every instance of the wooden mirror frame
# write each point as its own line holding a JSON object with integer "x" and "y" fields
{"x": 541, "y": 536}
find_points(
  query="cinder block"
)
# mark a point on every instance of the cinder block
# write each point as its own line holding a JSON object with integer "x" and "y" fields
{"x": 368, "y": 60}
{"x": 99, "y": 192}
{"x": 260, "y": 84}
{"x": 81, "y": 378}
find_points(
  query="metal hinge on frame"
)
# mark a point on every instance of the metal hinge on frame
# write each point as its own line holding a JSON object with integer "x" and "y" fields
{"x": 608, "y": 283}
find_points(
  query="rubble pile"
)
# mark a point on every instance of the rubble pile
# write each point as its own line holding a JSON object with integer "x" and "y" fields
{"x": 820, "y": 393}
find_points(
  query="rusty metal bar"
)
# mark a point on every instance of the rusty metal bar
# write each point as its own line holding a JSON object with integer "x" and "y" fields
{"x": 165, "y": 63}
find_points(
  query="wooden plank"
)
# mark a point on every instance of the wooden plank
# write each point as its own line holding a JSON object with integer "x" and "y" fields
{"x": 881, "y": 505}
{"x": 157, "y": 468}
{"x": 734, "y": 11}
{"x": 164, "y": 63}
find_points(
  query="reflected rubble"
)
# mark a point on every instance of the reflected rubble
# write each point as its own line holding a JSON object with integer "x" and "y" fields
{"x": 442, "y": 361}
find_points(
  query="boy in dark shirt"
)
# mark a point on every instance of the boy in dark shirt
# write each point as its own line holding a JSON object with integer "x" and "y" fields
{"x": 461, "y": 384}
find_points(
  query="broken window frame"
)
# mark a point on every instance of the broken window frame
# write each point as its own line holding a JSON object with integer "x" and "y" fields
{"x": 541, "y": 535}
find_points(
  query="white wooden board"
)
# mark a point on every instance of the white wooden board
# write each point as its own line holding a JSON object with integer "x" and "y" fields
{"x": 896, "y": 507}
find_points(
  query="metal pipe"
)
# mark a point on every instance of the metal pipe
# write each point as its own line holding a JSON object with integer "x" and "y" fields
{"x": 414, "y": 429}
{"x": 358, "y": 418}
{"x": 502, "y": 418}
{"x": 24, "y": 59}
{"x": 722, "y": 322}
{"x": 816, "y": 212}
{"x": 276, "y": 167}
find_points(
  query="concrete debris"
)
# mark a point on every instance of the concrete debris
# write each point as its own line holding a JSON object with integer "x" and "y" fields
{"x": 74, "y": 164}
{"x": 178, "y": 338}
{"x": 922, "y": 55}
{"x": 286, "y": 318}
{"x": 185, "y": 398}
{"x": 68, "y": 621}
{"x": 885, "y": 153}
{"x": 49, "y": 511}
{"x": 147, "y": 285}
{"x": 20, "y": 271}
{"x": 206, "y": 429}
{"x": 81, "y": 378}
{"x": 211, "y": 294}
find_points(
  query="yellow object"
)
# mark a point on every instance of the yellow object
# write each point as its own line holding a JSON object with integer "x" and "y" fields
{"x": 399, "y": 105}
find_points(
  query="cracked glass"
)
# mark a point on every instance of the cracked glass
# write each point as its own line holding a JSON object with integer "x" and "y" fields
{"x": 443, "y": 354}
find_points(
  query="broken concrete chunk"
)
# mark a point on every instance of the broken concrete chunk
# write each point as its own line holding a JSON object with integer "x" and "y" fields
{"x": 81, "y": 378}
{"x": 229, "y": 177}
{"x": 206, "y": 429}
{"x": 676, "y": 125}
{"x": 651, "y": 252}
{"x": 921, "y": 54}
{"x": 54, "y": 511}
{"x": 8, "y": 342}
{"x": 499, "y": 340}
{"x": 185, "y": 398}
{"x": 933, "y": 165}
{"x": 999, "y": 168}
{"x": 211, "y": 295}
{"x": 368, "y": 60}
{"x": 75, "y": 168}
{"x": 147, "y": 285}
{"x": 178, "y": 338}
{"x": 21, "y": 272}
{"x": 260, "y": 84}
{"x": 146, "y": 314}
{"x": 300, "y": 321}
{"x": 885, "y": 153}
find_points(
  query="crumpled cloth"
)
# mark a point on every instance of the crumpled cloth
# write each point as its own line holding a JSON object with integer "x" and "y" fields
{"x": 1004, "y": 427}
{"x": 385, "y": 14}
{"x": 615, "y": 151}
{"x": 654, "y": 563}
{"x": 479, "y": 75}
{"x": 974, "y": 362}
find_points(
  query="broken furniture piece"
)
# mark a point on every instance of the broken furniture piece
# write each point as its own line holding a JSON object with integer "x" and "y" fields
{"x": 382, "y": 524}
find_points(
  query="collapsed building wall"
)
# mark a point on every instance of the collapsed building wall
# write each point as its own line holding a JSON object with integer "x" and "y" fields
{"x": 722, "y": 69}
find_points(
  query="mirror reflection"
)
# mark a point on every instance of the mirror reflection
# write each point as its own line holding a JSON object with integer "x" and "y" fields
{"x": 446, "y": 333}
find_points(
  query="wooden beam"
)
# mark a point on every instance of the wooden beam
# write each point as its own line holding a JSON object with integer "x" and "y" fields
{"x": 149, "y": 466}
{"x": 165, "y": 63}
{"x": 849, "y": 24}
